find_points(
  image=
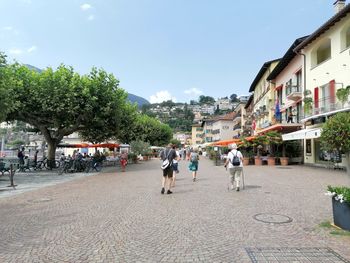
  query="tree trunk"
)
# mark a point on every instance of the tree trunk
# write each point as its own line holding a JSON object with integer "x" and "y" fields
{"x": 347, "y": 162}
{"x": 51, "y": 154}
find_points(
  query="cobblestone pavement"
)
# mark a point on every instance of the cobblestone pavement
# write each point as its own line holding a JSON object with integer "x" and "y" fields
{"x": 122, "y": 217}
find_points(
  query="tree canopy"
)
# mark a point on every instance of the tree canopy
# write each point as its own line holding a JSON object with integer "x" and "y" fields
{"x": 206, "y": 100}
{"x": 61, "y": 102}
{"x": 335, "y": 133}
{"x": 6, "y": 80}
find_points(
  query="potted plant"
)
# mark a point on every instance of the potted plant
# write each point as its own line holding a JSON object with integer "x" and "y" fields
{"x": 140, "y": 148}
{"x": 341, "y": 206}
{"x": 246, "y": 149}
{"x": 307, "y": 105}
{"x": 343, "y": 95}
{"x": 335, "y": 135}
{"x": 274, "y": 138}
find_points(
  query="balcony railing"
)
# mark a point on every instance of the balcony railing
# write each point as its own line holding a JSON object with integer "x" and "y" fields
{"x": 237, "y": 127}
{"x": 293, "y": 92}
{"x": 326, "y": 105}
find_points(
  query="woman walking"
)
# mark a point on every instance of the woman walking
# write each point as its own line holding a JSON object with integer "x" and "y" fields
{"x": 193, "y": 166}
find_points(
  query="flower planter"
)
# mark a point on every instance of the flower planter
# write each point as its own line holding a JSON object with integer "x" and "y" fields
{"x": 257, "y": 160}
{"x": 271, "y": 161}
{"x": 245, "y": 160}
{"x": 145, "y": 157}
{"x": 284, "y": 160}
{"x": 341, "y": 214}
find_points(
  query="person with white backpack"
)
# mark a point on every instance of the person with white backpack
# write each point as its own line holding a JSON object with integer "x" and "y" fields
{"x": 235, "y": 165}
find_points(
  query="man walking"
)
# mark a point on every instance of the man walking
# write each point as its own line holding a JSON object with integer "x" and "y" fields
{"x": 235, "y": 165}
{"x": 167, "y": 154}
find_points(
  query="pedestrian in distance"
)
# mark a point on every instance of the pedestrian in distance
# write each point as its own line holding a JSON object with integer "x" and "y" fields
{"x": 175, "y": 165}
{"x": 193, "y": 166}
{"x": 123, "y": 160}
{"x": 234, "y": 162}
{"x": 167, "y": 156}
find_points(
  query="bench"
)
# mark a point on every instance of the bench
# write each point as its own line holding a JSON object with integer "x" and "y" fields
{"x": 4, "y": 168}
{"x": 9, "y": 166}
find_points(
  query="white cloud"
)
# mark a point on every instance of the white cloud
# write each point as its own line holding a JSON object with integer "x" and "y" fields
{"x": 8, "y": 28}
{"x": 32, "y": 49}
{"x": 85, "y": 7}
{"x": 91, "y": 17}
{"x": 161, "y": 96}
{"x": 15, "y": 51}
{"x": 193, "y": 92}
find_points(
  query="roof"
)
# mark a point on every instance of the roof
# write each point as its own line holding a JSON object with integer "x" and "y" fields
{"x": 250, "y": 100}
{"x": 288, "y": 56}
{"x": 261, "y": 72}
{"x": 331, "y": 22}
{"x": 226, "y": 117}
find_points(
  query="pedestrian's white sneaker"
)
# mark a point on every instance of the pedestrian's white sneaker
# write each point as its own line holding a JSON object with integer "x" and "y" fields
{"x": 232, "y": 187}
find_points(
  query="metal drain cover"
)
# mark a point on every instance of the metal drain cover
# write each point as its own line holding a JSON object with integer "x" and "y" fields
{"x": 286, "y": 254}
{"x": 272, "y": 218}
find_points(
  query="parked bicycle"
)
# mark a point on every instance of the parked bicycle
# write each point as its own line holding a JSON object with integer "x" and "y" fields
{"x": 41, "y": 164}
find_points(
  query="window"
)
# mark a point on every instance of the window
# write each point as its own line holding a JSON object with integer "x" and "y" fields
{"x": 321, "y": 53}
{"x": 345, "y": 38}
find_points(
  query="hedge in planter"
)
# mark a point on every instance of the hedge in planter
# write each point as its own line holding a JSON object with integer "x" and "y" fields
{"x": 341, "y": 206}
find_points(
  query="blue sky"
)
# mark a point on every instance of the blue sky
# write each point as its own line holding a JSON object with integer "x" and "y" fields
{"x": 160, "y": 49}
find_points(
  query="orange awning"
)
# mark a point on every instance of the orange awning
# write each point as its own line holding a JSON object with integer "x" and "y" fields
{"x": 225, "y": 142}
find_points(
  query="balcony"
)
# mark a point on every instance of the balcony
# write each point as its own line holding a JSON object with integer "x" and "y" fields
{"x": 293, "y": 92}
{"x": 237, "y": 127}
{"x": 326, "y": 105}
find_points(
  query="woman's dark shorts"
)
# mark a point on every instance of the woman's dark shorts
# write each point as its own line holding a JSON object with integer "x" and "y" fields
{"x": 168, "y": 171}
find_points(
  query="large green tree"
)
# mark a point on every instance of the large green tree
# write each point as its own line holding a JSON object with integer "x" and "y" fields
{"x": 335, "y": 135}
{"x": 6, "y": 80}
{"x": 150, "y": 130}
{"x": 60, "y": 102}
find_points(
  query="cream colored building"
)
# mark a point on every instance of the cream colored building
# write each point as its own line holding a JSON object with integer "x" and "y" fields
{"x": 327, "y": 69}
{"x": 223, "y": 127}
{"x": 239, "y": 120}
{"x": 197, "y": 134}
{"x": 263, "y": 102}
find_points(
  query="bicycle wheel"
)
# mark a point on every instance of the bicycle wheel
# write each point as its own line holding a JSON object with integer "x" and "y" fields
{"x": 57, "y": 164}
{"x": 98, "y": 167}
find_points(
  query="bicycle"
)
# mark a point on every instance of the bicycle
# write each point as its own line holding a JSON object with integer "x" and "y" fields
{"x": 44, "y": 164}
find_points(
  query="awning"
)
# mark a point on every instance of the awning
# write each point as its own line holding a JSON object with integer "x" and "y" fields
{"x": 302, "y": 134}
{"x": 281, "y": 127}
{"x": 226, "y": 142}
{"x": 313, "y": 133}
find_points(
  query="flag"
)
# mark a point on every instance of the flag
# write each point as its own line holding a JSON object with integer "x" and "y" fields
{"x": 277, "y": 110}
{"x": 253, "y": 125}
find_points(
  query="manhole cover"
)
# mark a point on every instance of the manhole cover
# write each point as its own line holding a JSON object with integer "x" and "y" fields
{"x": 41, "y": 200}
{"x": 286, "y": 254}
{"x": 272, "y": 218}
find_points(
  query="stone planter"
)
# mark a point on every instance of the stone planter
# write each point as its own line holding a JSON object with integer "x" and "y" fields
{"x": 341, "y": 214}
{"x": 145, "y": 157}
{"x": 245, "y": 160}
{"x": 284, "y": 160}
{"x": 271, "y": 160}
{"x": 257, "y": 160}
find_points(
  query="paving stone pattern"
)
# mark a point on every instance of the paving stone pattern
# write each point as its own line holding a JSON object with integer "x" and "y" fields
{"x": 122, "y": 217}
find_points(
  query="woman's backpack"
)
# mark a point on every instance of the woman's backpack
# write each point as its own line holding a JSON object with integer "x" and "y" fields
{"x": 235, "y": 160}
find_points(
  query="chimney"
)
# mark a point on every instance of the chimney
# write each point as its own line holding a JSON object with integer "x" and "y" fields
{"x": 339, "y": 5}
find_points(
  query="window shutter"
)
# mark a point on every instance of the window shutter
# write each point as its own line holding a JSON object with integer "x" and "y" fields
{"x": 316, "y": 97}
{"x": 332, "y": 91}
